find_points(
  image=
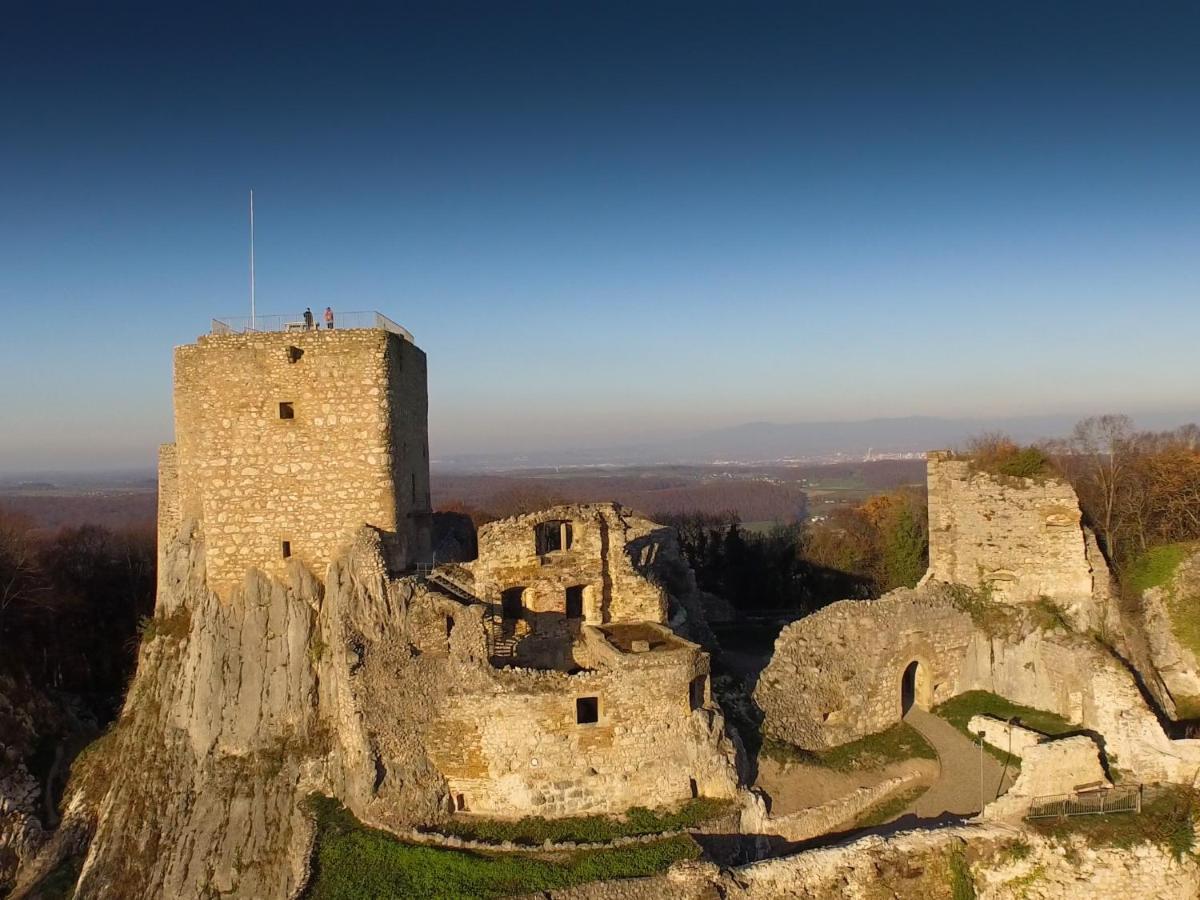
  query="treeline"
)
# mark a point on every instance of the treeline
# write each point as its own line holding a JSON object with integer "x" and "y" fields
{"x": 485, "y": 498}
{"x": 1138, "y": 489}
{"x": 70, "y": 604}
{"x": 858, "y": 552}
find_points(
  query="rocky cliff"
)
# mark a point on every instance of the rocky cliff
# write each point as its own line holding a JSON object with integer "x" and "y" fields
{"x": 241, "y": 709}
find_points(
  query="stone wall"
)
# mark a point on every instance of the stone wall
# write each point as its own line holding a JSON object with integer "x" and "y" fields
{"x": 169, "y": 513}
{"x": 353, "y": 451}
{"x": 1054, "y": 767}
{"x": 836, "y": 676}
{"x": 920, "y": 865}
{"x": 1022, "y": 537}
{"x": 516, "y": 748}
{"x": 610, "y": 555}
{"x": 1077, "y": 678}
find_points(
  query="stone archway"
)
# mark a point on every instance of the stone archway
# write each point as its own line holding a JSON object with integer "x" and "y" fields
{"x": 915, "y": 689}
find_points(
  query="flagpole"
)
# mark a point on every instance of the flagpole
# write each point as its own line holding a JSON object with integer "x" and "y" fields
{"x": 252, "y": 320}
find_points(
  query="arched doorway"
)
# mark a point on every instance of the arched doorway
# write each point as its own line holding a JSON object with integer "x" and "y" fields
{"x": 914, "y": 688}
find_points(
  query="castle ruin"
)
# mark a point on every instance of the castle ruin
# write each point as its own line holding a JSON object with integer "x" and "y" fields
{"x": 287, "y": 441}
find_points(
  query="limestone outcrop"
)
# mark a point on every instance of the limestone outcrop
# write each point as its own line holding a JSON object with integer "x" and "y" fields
{"x": 1171, "y": 665}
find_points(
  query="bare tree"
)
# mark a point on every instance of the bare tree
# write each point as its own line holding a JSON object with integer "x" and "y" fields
{"x": 19, "y": 573}
{"x": 1097, "y": 458}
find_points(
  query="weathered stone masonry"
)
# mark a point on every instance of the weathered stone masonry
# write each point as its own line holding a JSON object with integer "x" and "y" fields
{"x": 287, "y": 442}
{"x": 1021, "y": 537}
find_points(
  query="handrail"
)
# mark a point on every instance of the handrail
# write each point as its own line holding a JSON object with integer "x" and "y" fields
{"x": 1123, "y": 798}
{"x": 295, "y": 322}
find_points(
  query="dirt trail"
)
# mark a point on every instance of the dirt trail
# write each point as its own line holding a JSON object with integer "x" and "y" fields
{"x": 956, "y": 792}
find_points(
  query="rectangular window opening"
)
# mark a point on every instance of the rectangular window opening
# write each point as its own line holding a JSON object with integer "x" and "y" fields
{"x": 460, "y": 802}
{"x": 587, "y": 710}
{"x": 575, "y": 602}
{"x": 286, "y": 547}
{"x": 287, "y": 410}
{"x": 695, "y": 788}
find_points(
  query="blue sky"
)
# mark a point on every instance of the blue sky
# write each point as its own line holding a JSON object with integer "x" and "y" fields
{"x": 606, "y": 222}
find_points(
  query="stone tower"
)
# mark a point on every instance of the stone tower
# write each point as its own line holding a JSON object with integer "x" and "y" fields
{"x": 288, "y": 440}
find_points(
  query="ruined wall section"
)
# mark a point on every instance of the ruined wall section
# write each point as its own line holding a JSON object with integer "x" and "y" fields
{"x": 836, "y": 676}
{"x": 516, "y": 748}
{"x": 601, "y": 560}
{"x": 352, "y": 451}
{"x": 170, "y": 514}
{"x": 1020, "y": 536}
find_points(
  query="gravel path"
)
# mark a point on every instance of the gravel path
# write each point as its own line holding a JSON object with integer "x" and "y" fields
{"x": 956, "y": 791}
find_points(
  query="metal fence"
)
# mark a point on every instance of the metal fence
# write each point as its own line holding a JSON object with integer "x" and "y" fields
{"x": 295, "y": 322}
{"x": 1121, "y": 799}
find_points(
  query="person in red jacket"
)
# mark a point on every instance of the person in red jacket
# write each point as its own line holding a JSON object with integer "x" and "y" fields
{"x": 329, "y": 317}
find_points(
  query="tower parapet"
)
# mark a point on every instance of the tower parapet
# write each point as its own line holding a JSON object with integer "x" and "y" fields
{"x": 287, "y": 441}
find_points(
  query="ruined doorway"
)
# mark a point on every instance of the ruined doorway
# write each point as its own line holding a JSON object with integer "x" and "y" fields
{"x": 914, "y": 688}
{"x": 512, "y": 602}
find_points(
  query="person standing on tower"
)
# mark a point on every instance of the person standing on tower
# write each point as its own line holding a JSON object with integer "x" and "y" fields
{"x": 329, "y": 317}
{"x": 308, "y": 318}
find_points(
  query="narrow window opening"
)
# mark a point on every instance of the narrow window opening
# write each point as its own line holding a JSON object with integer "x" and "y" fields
{"x": 695, "y": 788}
{"x": 287, "y": 411}
{"x": 696, "y": 691}
{"x": 449, "y": 625}
{"x": 587, "y": 710}
{"x": 460, "y": 802}
{"x": 575, "y": 602}
{"x": 414, "y": 488}
{"x": 512, "y": 602}
{"x": 286, "y": 547}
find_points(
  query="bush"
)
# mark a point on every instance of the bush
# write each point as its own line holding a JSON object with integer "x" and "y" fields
{"x": 1001, "y": 455}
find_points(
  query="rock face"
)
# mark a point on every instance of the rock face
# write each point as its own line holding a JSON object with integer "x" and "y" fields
{"x": 1173, "y": 665}
{"x": 1021, "y": 537}
{"x": 839, "y": 674}
{"x": 985, "y": 860}
{"x": 374, "y": 691}
{"x": 27, "y": 809}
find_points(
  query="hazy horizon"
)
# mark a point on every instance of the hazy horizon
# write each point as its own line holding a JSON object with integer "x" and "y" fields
{"x": 608, "y": 225}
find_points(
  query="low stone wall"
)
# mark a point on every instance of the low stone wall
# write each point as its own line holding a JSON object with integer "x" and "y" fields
{"x": 921, "y": 865}
{"x": 837, "y": 675}
{"x": 1006, "y": 736}
{"x": 1053, "y": 767}
{"x": 1073, "y": 676}
{"x": 827, "y": 818}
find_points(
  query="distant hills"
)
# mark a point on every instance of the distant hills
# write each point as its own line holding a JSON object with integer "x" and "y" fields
{"x": 769, "y": 442}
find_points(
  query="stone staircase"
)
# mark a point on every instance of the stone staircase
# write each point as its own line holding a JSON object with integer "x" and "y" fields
{"x": 452, "y": 580}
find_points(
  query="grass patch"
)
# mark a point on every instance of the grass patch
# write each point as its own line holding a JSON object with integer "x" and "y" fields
{"x": 1156, "y": 566}
{"x": 1167, "y": 819}
{"x": 533, "y": 831}
{"x": 1047, "y": 615}
{"x": 354, "y": 862}
{"x": 898, "y": 743}
{"x": 175, "y": 626}
{"x": 962, "y": 884}
{"x": 889, "y": 809}
{"x": 959, "y": 710}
